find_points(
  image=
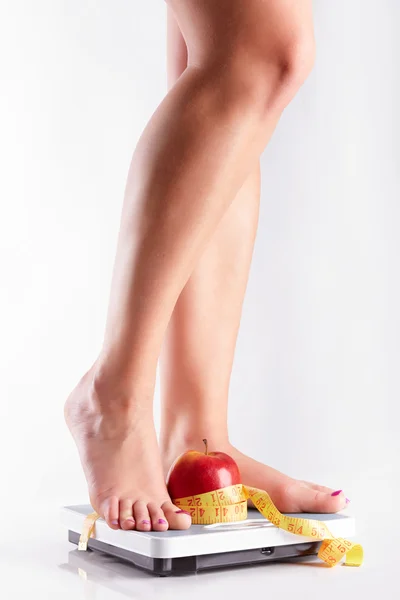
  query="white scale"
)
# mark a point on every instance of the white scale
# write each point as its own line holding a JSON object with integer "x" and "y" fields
{"x": 201, "y": 547}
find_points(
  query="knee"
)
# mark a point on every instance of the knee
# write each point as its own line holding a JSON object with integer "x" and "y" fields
{"x": 266, "y": 79}
{"x": 296, "y": 63}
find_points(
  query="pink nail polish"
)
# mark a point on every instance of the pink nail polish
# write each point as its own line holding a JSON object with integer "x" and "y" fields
{"x": 146, "y": 522}
{"x": 182, "y": 512}
{"x": 336, "y": 493}
{"x": 115, "y": 522}
{"x": 347, "y": 501}
{"x": 162, "y": 521}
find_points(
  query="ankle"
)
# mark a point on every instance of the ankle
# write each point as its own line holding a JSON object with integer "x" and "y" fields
{"x": 110, "y": 391}
{"x": 178, "y": 437}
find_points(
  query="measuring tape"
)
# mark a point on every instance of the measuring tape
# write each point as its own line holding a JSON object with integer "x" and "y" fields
{"x": 229, "y": 504}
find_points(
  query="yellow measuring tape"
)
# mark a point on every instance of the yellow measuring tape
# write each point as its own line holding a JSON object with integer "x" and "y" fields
{"x": 229, "y": 504}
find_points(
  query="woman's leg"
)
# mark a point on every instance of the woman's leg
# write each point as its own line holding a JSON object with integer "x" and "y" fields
{"x": 191, "y": 160}
{"x": 200, "y": 342}
{"x": 205, "y": 320}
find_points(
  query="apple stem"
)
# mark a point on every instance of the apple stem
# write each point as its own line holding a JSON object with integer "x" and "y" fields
{"x": 206, "y": 444}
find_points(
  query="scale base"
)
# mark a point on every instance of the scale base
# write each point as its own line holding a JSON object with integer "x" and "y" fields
{"x": 203, "y": 547}
{"x": 164, "y": 567}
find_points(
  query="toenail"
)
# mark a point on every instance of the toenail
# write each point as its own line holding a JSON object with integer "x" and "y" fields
{"x": 183, "y": 512}
{"x": 347, "y": 501}
{"x": 336, "y": 493}
{"x": 162, "y": 521}
{"x": 115, "y": 522}
{"x": 145, "y": 522}
{"x": 131, "y": 519}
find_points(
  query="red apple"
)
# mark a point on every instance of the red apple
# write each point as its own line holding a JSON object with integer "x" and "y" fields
{"x": 196, "y": 472}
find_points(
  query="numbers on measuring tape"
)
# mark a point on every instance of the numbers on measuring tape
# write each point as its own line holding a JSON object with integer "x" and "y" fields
{"x": 261, "y": 504}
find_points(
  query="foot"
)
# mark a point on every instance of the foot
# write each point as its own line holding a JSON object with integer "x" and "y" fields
{"x": 118, "y": 449}
{"x": 289, "y": 495}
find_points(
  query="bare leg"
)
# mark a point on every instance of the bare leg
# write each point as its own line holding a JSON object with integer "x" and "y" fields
{"x": 193, "y": 157}
{"x": 199, "y": 347}
{"x": 205, "y": 320}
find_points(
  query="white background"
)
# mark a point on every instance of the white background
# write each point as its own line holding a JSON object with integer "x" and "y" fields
{"x": 315, "y": 389}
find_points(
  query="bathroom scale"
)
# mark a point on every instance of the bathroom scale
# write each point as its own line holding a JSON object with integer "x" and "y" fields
{"x": 202, "y": 547}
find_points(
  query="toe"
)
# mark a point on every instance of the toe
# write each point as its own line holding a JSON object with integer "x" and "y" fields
{"x": 314, "y": 500}
{"x": 141, "y": 516}
{"x": 157, "y": 516}
{"x": 126, "y": 519}
{"x": 177, "y": 518}
{"x": 327, "y": 490}
{"x": 319, "y": 488}
{"x": 110, "y": 511}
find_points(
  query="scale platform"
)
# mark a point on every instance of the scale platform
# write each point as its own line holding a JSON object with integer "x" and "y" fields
{"x": 201, "y": 547}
